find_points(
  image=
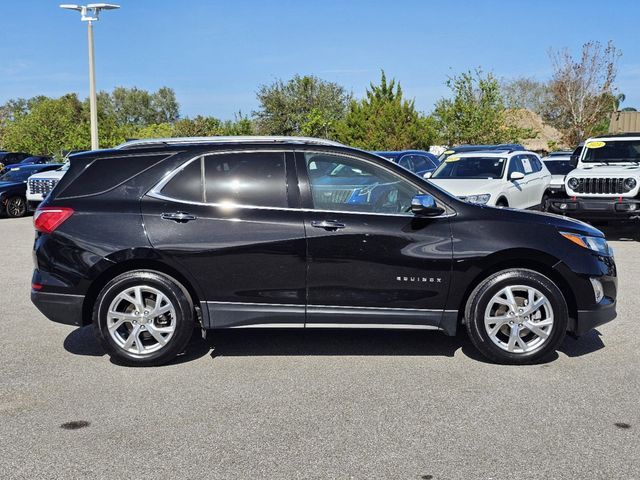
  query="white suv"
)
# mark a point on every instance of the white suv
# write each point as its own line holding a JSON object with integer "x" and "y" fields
{"x": 516, "y": 179}
{"x": 606, "y": 183}
{"x": 40, "y": 185}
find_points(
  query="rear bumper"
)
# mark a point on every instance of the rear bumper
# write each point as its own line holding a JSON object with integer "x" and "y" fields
{"x": 59, "y": 307}
{"x": 596, "y": 208}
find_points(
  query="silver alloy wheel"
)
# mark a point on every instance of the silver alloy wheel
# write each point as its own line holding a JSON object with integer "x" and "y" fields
{"x": 141, "y": 320}
{"x": 519, "y": 319}
{"x": 16, "y": 207}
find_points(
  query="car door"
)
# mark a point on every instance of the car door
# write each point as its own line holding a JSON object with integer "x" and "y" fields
{"x": 370, "y": 261}
{"x": 226, "y": 219}
{"x": 540, "y": 180}
{"x": 518, "y": 194}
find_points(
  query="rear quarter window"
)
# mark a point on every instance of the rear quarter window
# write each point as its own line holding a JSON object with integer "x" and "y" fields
{"x": 104, "y": 174}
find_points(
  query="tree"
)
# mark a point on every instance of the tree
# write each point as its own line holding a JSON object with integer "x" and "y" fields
{"x": 140, "y": 107}
{"x": 476, "y": 113}
{"x": 385, "y": 120}
{"x": 303, "y": 105}
{"x": 582, "y": 90}
{"x": 525, "y": 92}
{"x": 48, "y": 126}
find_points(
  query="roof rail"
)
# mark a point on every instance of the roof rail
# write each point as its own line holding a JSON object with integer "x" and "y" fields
{"x": 618, "y": 135}
{"x": 224, "y": 139}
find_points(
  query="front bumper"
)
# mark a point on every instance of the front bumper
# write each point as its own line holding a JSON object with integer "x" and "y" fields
{"x": 59, "y": 307}
{"x": 596, "y": 208}
{"x": 604, "y": 312}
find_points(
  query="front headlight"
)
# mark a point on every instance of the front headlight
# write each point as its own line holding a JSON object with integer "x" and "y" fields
{"x": 630, "y": 183}
{"x": 573, "y": 183}
{"x": 597, "y": 244}
{"x": 479, "y": 199}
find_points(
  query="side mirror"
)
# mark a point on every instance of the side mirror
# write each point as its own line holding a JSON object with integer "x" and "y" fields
{"x": 516, "y": 176}
{"x": 427, "y": 175}
{"x": 574, "y": 161}
{"x": 425, "y": 206}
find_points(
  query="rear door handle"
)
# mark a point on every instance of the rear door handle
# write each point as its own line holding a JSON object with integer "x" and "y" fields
{"x": 327, "y": 224}
{"x": 180, "y": 217}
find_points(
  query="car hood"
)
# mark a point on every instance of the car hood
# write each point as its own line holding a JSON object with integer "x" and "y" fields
{"x": 463, "y": 187}
{"x": 557, "y": 180}
{"x": 53, "y": 174}
{"x": 5, "y": 185}
{"x": 600, "y": 169}
{"x": 562, "y": 223}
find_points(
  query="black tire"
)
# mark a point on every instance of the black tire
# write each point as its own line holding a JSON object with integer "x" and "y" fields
{"x": 479, "y": 299}
{"x": 16, "y": 207}
{"x": 502, "y": 203}
{"x": 176, "y": 293}
{"x": 544, "y": 204}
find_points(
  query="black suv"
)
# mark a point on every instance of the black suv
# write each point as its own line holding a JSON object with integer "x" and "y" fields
{"x": 154, "y": 238}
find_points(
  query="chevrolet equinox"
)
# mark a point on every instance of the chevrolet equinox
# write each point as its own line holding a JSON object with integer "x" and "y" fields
{"x": 154, "y": 238}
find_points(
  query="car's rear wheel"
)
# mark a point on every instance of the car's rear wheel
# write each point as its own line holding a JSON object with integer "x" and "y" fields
{"x": 143, "y": 318}
{"x": 516, "y": 316}
{"x": 16, "y": 207}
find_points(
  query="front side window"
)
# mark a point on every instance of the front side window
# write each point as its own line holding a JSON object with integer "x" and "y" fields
{"x": 407, "y": 162}
{"x": 350, "y": 184}
{"x": 16, "y": 175}
{"x": 423, "y": 163}
{"x": 471, "y": 167}
{"x": 516, "y": 166}
{"x": 250, "y": 179}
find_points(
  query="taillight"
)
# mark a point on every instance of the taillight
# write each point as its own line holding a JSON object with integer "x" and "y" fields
{"x": 47, "y": 219}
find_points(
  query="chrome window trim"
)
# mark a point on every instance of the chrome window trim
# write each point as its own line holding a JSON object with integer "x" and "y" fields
{"x": 154, "y": 192}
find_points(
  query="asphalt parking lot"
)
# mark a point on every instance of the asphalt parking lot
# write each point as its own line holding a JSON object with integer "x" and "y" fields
{"x": 363, "y": 405}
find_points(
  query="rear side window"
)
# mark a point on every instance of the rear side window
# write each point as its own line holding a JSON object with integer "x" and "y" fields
{"x": 535, "y": 163}
{"x": 186, "y": 185}
{"x": 254, "y": 179}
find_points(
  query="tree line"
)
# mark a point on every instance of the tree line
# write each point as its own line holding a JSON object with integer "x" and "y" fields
{"x": 577, "y": 100}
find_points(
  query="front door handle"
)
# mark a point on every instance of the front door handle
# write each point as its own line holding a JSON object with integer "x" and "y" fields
{"x": 329, "y": 225}
{"x": 180, "y": 217}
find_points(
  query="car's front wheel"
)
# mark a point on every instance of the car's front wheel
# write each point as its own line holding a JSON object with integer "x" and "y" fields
{"x": 16, "y": 207}
{"x": 143, "y": 318}
{"x": 516, "y": 316}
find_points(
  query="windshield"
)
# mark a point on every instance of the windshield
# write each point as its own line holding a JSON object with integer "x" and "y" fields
{"x": 471, "y": 167}
{"x": 16, "y": 175}
{"x": 612, "y": 151}
{"x": 559, "y": 167}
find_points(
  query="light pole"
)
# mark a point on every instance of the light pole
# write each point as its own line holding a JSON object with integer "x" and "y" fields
{"x": 89, "y": 13}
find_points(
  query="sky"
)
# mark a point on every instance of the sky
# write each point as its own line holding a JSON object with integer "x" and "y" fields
{"x": 216, "y": 54}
